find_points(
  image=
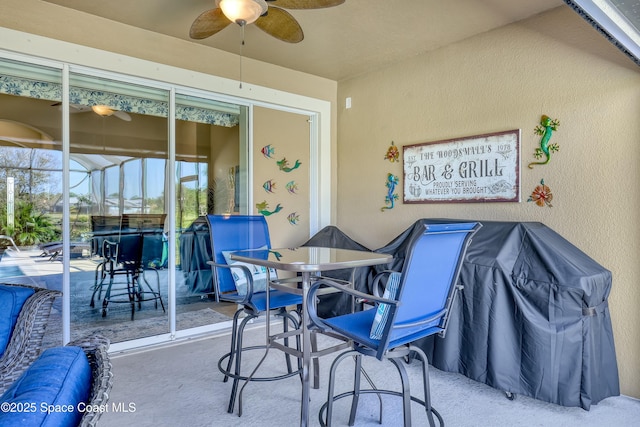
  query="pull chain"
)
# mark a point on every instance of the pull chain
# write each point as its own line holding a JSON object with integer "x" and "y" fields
{"x": 241, "y": 46}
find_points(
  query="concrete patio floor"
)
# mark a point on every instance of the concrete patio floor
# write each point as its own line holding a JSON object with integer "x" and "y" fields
{"x": 180, "y": 385}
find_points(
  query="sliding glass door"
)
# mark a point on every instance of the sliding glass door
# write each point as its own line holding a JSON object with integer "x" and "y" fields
{"x": 210, "y": 178}
{"x": 119, "y": 135}
{"x": 31, "y": 184}
{"x": 106, "y": 181}
{"x": 136, "y": 161}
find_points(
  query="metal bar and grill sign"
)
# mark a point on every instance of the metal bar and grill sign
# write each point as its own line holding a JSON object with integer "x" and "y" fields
{"x": 482, "y": 168}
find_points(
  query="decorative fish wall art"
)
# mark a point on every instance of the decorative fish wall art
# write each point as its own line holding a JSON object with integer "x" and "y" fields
{"x": 293, "y": 218}
{"x": 267, "y": 151}
{"x": 292, "y": 187}
{"x": 269, "y": 186}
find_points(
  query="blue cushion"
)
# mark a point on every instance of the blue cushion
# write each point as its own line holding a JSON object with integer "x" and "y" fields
{"x": 12, "y": 298}
{"x": 380, "y": 320}
{"x": 52, "y": 392}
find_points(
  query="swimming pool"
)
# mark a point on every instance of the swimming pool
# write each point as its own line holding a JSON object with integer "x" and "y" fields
{"x": 10, "y": 271}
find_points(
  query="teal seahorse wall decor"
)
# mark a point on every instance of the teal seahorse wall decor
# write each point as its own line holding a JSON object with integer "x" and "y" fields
{"x": 545, "y": 129}
{"x": 391, "y": 197}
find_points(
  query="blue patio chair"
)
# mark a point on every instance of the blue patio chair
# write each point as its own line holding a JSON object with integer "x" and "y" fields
{"x": 415, "y": 304}
{"x": 245, "y": 285}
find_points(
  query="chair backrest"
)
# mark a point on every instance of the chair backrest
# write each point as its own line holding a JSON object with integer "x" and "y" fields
{"x": 234, "y": 233}
{"x": 428, "y": 283}
{"x": 106, "y": 223}
{"x": 12, "y": 299}
{"x": 150, "y": 229}
{"x": 147, "y": 223}
{"x": 130, "y": 249}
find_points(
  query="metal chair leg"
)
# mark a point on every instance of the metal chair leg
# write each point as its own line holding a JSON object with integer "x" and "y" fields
{"x": 315, "y": 361}
{"x": 374, "y": 388}
{"x": 406, "y": 392}
{"x": 356, "y": 389}
{"x": 288, "y": 317}
{"x": 107, "y": 296}
{"x": 157, "y": 295}
{"x": 97, "y": 285}
{"x": 232, "y": 353}
{"x": 285, "y": 329}
{"x": 132, "y": 291}
{"x": 427, "y": 393}
{"x": 238, "y": 363}
{"x": 332, "y": 384}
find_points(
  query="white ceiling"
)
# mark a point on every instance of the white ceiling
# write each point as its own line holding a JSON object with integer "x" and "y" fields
{"x": 340, "y": 42}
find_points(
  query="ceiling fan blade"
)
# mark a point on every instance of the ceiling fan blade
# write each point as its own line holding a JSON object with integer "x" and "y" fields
{"x": 208, "y": 23}
{"x": 73, "y": 108}
{"x": 280, "y": 24}
{"x": 305, "y": 4}
{"x": 122, "y": 115}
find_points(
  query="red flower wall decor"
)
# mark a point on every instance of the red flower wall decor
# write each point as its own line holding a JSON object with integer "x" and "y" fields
{"x": 541, "y": 195}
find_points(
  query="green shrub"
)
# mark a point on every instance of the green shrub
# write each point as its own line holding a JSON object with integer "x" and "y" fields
{"x": 31, "y": 227}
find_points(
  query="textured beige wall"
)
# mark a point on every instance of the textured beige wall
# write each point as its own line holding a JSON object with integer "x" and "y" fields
{"x": 288, "y": 135}
{"x": 552, "y": 64}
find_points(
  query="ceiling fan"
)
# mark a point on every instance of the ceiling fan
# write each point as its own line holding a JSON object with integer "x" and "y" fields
{"x": 101, "y": 110}
{"x": 269, "y": 16}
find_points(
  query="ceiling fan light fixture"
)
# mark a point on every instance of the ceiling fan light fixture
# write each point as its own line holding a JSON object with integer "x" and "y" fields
{"x": 102, "y": 110}
{"x": 243, "y": 12}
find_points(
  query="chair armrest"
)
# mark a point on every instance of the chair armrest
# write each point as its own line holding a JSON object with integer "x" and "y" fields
{"x": 315, "y": 289}
{"x": 377, "y": 285}
{"x": 96, "y": 348}
{"x": 245, "y": 270}
{"x": 424, "y": 321}
{"x": 26, "y": 340}
{"x": 110, "y": 250}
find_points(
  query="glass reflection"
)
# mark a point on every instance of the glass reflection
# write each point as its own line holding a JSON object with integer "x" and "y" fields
{"x": 118, "y": 206}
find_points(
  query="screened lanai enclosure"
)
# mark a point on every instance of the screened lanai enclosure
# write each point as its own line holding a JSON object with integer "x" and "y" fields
{"x": 136, "y": 152}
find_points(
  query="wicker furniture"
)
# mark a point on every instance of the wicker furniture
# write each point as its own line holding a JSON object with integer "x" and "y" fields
{"x": 96, "y": 348}
{"x": 25, "y": 346}
{"x": 26, "y": 339}
{"x": 62, "y": 387}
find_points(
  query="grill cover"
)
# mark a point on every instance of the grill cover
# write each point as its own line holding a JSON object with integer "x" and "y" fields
{"x": 533, "y": 317}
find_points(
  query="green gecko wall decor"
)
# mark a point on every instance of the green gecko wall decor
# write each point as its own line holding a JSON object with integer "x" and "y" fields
{"x": 545, "y": 129}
